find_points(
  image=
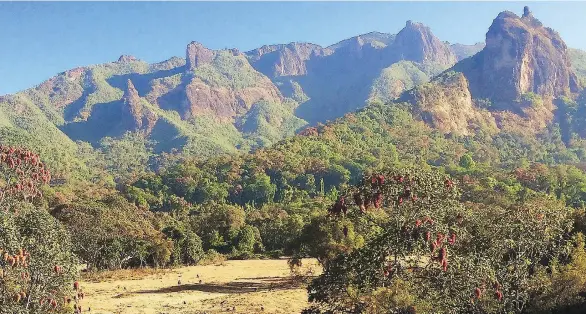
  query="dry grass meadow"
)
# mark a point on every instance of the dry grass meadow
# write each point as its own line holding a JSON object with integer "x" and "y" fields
{"x": 250, "y": 286}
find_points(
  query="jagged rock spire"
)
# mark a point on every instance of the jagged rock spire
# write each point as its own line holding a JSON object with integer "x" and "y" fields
{"x": 527, "y": 12}
{"x": 521, "y": 56}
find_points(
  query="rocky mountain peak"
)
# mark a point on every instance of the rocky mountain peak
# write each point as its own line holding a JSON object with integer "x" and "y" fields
{"x": 196, "y": 55}
{"x": 526, "y": 12}
{"x": 521, "y": 56}
{"x": 126, "y": 58}
{"x": 416, "y": 42}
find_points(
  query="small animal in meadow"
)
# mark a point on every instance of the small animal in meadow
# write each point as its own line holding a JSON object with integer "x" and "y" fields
{"x": 200, "y": 281}
{"x": 262, "y": 308}
{"x": 179, "y": 282}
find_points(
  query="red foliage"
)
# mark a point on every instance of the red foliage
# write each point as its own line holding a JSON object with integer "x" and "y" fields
{"x": 440, "y": 238}
{"x": 381, "y": 179}
{"x": 378, "y": 199}
{"x": 498, "y": 295}
{"x": 24, "y": 173}
{"x": 452, "y": 239}
{"x": 310, "y": 131}
{"x": 445, "y": 265}
{"x": 478, "y": 293}
{"x": 448, "y": 183}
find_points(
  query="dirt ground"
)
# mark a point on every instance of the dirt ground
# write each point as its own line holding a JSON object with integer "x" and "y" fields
{"x": 253, "y": 286}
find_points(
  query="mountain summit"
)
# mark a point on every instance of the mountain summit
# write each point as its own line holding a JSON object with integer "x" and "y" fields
{"x": 416, "y": 42}
{"x": 512, "y": 83}
{"x": 329, "y": 82}
{"x": 521, "y": 56}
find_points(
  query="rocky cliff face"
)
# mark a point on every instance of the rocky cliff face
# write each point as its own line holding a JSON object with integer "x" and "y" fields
{"x": 285, "y": 60}
{"x": 222, "y": 102}
{"x": 223, "y": 84}
{"x": 196, "y": 55}
{"x": 521, "y": 56}
{"x": 135, "y": 115}
{"x": 447, "y": 105}
{"x": 521, "y": 59}
{"x": 333, "y": 81}
{"x": 416, "y": 42}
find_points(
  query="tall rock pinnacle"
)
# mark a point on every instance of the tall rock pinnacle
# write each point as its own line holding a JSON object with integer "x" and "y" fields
{"x": 521, "y": 56}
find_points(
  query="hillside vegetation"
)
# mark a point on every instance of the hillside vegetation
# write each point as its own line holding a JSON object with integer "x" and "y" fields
{"x": 464, "y": 194}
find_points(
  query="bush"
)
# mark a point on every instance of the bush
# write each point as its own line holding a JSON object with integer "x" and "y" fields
{"x": 212, "y": 257}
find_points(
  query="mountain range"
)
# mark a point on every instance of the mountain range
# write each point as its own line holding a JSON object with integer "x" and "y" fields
{"x": 225, "y": 101}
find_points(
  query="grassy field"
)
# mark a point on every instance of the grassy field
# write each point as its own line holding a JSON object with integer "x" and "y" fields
{"x": 252, "y": 286}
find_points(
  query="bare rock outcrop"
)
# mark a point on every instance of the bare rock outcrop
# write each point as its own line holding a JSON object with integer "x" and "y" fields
{"x": 285, "y": 60}
{"x": 447, "y": 105}
{"x": 126, "y": 58}
{"x": 196, "y": 55}
{"x": 521, "y": 56}
{"x": 222, "y": 102}
{"x": 416, "y": 42}
{"x": 135, "y": 115}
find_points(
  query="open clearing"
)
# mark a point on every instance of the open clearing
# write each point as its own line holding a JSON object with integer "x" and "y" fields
{"x": 230, "y": 287}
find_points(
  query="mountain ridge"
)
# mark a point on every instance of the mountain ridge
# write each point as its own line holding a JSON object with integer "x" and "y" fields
{"x": 225, "y": 101}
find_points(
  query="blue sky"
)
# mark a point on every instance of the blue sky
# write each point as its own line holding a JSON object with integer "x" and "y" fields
{"x": 41, "y": 39}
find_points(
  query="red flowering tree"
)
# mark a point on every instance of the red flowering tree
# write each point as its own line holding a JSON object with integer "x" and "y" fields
{"x": 37, "y": 268}
{"x": 431, "y": 253}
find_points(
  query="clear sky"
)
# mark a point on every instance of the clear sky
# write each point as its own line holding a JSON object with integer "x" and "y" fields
{"x": 41, "y": 39}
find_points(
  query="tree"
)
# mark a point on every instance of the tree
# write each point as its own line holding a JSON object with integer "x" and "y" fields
{"x": 37, "y": 266}
{"x": 110, "y": 233}
{"x": 443, "y": 256}
{"x": 467, "y": 162}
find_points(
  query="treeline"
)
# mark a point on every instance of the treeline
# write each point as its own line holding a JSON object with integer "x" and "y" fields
{"x": 268, "y": 202}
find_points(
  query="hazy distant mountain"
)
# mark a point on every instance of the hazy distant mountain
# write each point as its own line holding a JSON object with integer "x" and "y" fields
{"x": 329, "y": 82}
